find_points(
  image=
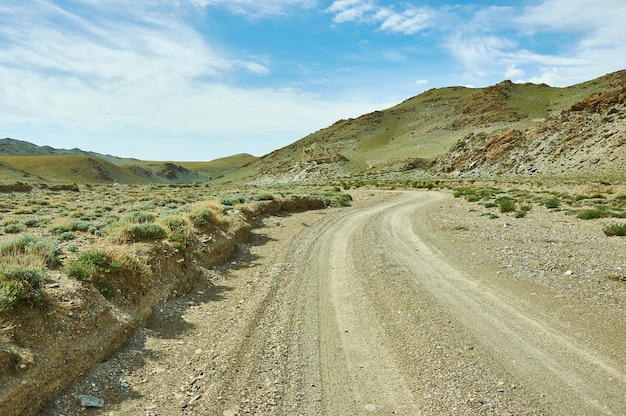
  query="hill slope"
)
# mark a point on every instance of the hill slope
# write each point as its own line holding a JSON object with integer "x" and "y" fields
{"x": 24, "y": 161}
{"x": 434, "y": 131}
{"x": 503, "y": 130}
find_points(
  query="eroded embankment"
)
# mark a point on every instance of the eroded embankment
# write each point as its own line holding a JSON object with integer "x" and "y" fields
{"x": 43, "y": 350}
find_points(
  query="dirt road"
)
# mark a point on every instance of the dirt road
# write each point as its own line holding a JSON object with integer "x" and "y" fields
{"x": 365, "y": 310}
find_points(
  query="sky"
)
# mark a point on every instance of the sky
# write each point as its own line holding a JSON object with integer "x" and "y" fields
{"x": 196, "y": 80}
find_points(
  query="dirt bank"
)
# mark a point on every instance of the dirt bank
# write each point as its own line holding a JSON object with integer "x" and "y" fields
{"x": 43, "y": 350}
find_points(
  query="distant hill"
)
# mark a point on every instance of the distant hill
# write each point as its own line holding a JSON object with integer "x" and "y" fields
{"x": 478, "y": 132}
{"x": 24, "y": 161}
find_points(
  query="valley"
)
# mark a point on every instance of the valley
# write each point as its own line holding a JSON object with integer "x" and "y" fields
{"x": 462, "y": 252}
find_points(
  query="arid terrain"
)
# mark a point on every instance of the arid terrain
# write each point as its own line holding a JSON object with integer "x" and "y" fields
{"x": 408, "y": 302}
{"x": 462, "y": 252}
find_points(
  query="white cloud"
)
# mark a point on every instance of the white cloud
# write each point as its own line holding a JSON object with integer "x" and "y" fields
{"x": 351, "y": 10}
{"x": 421, "y": 82}
{"x": 512, "y": 72}
{"x": 144, "y": 75}
{"x": 409, "y": 21}
{"x": 550, "y": 76}
{"x": 257, "y": 8}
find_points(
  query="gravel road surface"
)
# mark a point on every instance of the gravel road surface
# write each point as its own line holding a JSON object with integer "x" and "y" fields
{"x": 393, "y": 306}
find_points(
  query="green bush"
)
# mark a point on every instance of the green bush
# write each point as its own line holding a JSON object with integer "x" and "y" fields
{"x": 592, "y": 214}
{"x": 615, "y": 230}
{"x": 506, "y": 204}
{"x": 20, "y": 285}
{"x": 552, "y": 203}
{"x": 138, "y": 217}
{"x": 146, "y": 231}
{"x": 32, "y": 223}
{"x": 14, "y": 228}
{"x": 179, "y": 229}
{"x": 263, "y": 197}
{"x": 206, "y": 213}
{"x": 82, "y": 226}
{"x": 88, "y": 265}
{"x": 201, "y": 217}
{"x": 44, "y": 248}
{"x": 94, "y": 267}
{"x": 66, "y": 236}
{"x": 110, "y": 272}
{"x": 232, "y": 200}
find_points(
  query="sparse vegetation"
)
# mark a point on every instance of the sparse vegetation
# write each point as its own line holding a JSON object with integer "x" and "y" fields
{"x": 615, "y": 230}
{"x": 110, "y": 272}
{"x": 23, "y": 264}
{"x": 506, "y": 204}
{"x": 21, "y": 283}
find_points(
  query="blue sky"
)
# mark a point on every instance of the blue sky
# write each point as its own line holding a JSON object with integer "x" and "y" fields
{"x": 201, "y": 79}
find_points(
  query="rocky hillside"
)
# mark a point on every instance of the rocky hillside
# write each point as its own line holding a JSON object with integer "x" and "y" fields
{"x": 505, "y": 129}
{"x": 587, "y": 141}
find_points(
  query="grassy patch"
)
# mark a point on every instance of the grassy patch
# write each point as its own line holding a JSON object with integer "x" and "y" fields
{"x": 207, "y": 213}
{"x": 506, "y": 204}
{"x": 111, "y": 272}
{"x": 43, "y": 248}
{"x": 552, "y": 203}
{"x": 615, "y": 230}
{"x": 21, "y": 280}
{"x": 592, "y": 214}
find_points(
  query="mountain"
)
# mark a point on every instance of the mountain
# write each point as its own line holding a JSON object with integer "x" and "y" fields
{"x": 505, "y": 129}
{"x": 24, "y": 161}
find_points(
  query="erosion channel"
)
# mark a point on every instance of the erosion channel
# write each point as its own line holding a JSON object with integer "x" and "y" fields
{"x": 365, "y": 310}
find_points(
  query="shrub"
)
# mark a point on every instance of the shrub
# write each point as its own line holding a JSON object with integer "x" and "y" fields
{"x": 66, "y": 236}
{"x": 14, "y": 228}
{"x": 506, "y": 204}
{"x": 232, "y": 200}
{"x": 32, "y": 223}
{"x": 615, "y": 230}
{"x": 206, "y": 213}
{"x": 88, "y": 266}
{"x": 146, "y": 231}
{"x": 45, "y": 249}
{"x": 552, "y": 203}
{"x": 178, "y": 226}
{"x": 110, "y": 272}
{"x": 123, "y": 232}
{"x": 79, "y": 225}
{"x": 263, "y": 197}
{"x": 526, "y": 208}
{"x": 20, "y": 285}
{"x": 592, "y": 214}
{"x": 138, "y": 217}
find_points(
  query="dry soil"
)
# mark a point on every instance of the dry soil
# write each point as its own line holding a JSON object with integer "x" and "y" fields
{"x": 405, "y": 303}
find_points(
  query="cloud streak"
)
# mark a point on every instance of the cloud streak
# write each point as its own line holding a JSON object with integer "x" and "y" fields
{"x": 408, "y": 21}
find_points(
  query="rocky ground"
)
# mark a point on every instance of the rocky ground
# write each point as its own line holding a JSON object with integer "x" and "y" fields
{"x": 263, "y": 335}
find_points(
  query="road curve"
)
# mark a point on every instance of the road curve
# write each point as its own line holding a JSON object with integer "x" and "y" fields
{"x": 360, "y": 369}
{"x": 357, "y": 311}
